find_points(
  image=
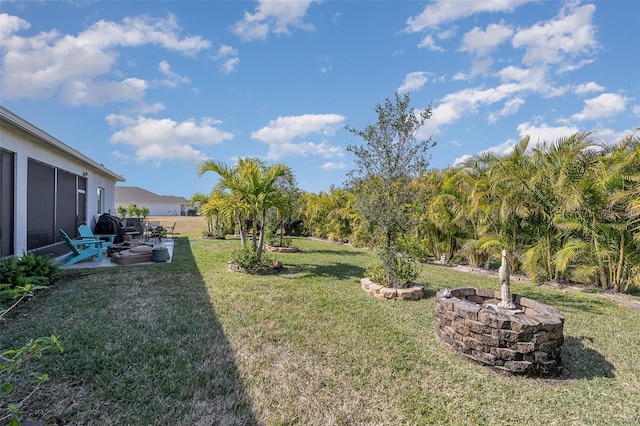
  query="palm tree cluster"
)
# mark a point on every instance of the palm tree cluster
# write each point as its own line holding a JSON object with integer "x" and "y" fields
{"x": 566, "y": 211}
{"x": 245, "y": 193}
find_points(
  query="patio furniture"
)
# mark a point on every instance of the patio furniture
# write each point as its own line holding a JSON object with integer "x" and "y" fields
{"x": 133, "y": 226}
{"x": 81, "y": 249}
{"x": 85, "y": 232}
{"x": 170, "y": 229}
{"x": 153, "y": 230}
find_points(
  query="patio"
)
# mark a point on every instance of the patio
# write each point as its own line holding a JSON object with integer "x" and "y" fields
{"x": 106, "y": 260}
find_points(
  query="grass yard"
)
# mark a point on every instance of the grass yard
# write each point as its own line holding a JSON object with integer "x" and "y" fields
{"x": 190, "y": 343}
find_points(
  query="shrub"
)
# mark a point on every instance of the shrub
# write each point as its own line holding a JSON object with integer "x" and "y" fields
{"x": 28, "y": 266}
{"x": 19, "y": 280}
{"x": 275, "y": 239}
{"x": 248, "y": 258}
{"x": 404, "y": 269}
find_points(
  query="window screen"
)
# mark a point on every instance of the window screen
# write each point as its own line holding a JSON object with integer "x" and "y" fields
{"x": 6, "y": 202}
{"x": 40, "y": 205}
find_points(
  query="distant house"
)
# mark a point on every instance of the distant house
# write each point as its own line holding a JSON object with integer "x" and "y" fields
{"x": 158, "y": 205}
{"x": 46, "y": 185}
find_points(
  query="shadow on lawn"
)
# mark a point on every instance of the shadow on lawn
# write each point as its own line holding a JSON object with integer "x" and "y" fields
{"x": 337, "y": 270}
{"x": 582, "y": 362}
{"x": 225, "y": 400}
{"x": 144, "y": 344}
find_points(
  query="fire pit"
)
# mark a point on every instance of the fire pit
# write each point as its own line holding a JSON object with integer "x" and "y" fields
{"x": 525, "y": 337}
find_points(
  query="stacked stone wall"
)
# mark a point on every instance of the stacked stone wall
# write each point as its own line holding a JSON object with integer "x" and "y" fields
{"x": 529, "y": 342}
{"x": 382, "y": 292}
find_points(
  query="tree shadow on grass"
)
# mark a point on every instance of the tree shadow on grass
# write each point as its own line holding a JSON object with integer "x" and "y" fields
{"x": 567, "y": 301}
{"x": 337, "y": 270}
{"x": 143, "y": 345}
{"x": 339, "y": 250}
{"x": 582, "y": 362}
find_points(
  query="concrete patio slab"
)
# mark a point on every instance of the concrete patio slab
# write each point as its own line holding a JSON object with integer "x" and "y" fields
{"x": 106, "y": 260}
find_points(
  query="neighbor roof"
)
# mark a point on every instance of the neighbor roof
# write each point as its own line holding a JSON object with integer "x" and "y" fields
{"x": 136, "y": 195}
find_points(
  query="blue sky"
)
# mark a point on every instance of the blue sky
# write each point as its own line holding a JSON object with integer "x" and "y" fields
{"x": 150, "y": 89}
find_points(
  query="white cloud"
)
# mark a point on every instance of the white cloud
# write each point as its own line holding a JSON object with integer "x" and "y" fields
{"x": 414, "y": 81}
{"x": 460, "y": 76}
{"x": 173, "y": 79}
{"x": 275, "y": 16}
{"x": 49, "y": 64}
{"x": 280, "y": 134}
{"x": 229, "y": 65}
{"x": 466, "y": 102}
{"x": 303, "y": 149}
{"x": 225, "y": 52}
{"x": 443, "y": 11}
{"x": 98, "y": 93}
{"x": 284, "y": 129}
{"x": 559, "y": 40}
{"x": 9, "y": 25}
{"x": 588, "y": 87}
{"x": 480, "y": 43}
{"x": 636, "y": 110}
{"x": 429, "y": 43}
{"x": 510, "y": 107}
{"x": 166, "y": 139}
{"x": 605, "y": 105}
{"x": 333, "y": 166}
{"x": 543, "y": 133}
{"x": 229, "y": 57}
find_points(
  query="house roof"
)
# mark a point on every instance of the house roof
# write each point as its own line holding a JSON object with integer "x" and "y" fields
{"x": 136, "y": 195}
{"x": 23, "y": 127}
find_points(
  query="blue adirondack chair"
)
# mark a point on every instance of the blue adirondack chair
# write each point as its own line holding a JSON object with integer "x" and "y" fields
{"x": 81, "y": 249}
{"x": 85, "y": 232}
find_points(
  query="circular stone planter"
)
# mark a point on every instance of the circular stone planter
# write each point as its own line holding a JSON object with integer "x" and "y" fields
{"x": 382, "y": 292}
{"x": 279, "y": 249}
{"x": 523, "y": 341}
{"x": 261, "y": 270}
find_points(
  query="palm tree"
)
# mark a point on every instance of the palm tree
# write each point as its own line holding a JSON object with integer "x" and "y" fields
{"x": 254, "y": 190}
{"x": 231, "y": 181}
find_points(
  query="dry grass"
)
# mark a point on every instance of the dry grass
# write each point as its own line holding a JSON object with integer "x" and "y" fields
{"x": 185, "y": 225}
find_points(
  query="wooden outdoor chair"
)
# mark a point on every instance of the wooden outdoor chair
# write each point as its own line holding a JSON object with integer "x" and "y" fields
{"x": 85, "y": 232}
{"x": 171, "y": 229}
{"x": 81, "y": 249}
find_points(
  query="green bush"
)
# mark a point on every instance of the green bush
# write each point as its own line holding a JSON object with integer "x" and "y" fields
{"x": 404, "y": 269}
{"x": 274, "y": 239}
{"x": 28, "y": 266}
{"x": 19, "y": 280}
{"x": 248, "y": 258}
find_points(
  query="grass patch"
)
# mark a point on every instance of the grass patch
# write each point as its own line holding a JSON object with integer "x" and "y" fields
{"x": 192, "y": 343}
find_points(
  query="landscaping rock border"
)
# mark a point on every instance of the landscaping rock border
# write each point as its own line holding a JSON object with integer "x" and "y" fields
{"x": 382, "y": 292}
{"x": 279, "y": 249}
{"x": 528, "y": 342}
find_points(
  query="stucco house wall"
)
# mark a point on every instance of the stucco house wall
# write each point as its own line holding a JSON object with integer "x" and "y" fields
{"x": 28, "y": 142}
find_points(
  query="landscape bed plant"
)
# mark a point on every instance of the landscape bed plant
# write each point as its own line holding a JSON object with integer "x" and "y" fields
{"x": 306, "y": 346}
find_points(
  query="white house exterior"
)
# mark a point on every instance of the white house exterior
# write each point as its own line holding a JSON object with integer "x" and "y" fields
{"x": 46, "y": 185}
{"x": 158, "y": 205}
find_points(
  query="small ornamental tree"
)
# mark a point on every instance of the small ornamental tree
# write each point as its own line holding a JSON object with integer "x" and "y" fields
{"x": 386, "y": 163}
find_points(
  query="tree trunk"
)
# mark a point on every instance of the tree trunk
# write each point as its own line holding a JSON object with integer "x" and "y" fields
{"x": 261, "y": 242}
{"x": 241, "y": 228}
{"x": 618, "y": 279}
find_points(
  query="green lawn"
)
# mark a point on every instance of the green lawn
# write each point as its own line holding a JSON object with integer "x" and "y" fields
{"x": 190, "y": 343}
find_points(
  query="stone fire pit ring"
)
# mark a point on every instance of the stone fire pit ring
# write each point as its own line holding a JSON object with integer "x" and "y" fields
{"x": 527, "y": 340}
